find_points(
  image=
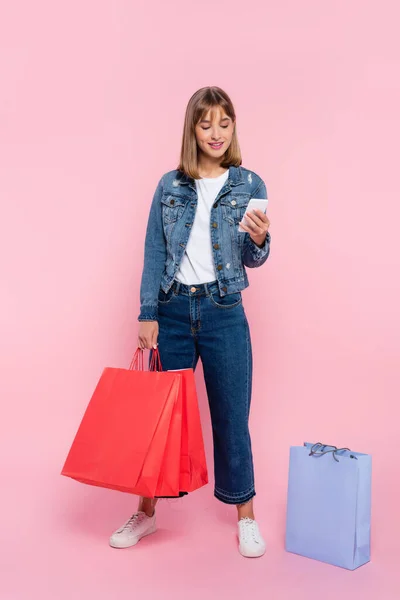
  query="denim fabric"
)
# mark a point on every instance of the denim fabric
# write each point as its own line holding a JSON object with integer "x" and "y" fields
{"x": 196, "y": 321}
{"x": 171, "y": 216}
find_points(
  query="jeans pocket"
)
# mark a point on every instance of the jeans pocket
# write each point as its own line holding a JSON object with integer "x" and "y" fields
{"x": 227, "y": 301}
{"x": 166, "y": 297}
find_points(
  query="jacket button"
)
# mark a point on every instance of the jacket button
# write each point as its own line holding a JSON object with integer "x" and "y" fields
{"x": 216, "y": 246}
{"x": 172, "y": 202}
{"x": 224, "y": 289}
{"x": 233, "y": 202}
{"x": 219, "y": 267}
{"x": 215, "y": 224}
{"x": 215, "y": 205}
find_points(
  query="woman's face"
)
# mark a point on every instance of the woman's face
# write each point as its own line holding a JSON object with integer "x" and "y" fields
{"x": 214, "y": 132}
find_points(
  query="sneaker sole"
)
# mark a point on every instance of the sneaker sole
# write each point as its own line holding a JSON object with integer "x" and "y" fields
{"x": 252, "y": 555}
{"x": 153, "y": 529}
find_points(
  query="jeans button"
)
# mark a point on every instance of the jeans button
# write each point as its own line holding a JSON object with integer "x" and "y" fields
{"x": 193, "y": 289}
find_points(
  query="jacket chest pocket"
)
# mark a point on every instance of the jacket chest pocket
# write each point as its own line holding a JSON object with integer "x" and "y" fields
{"x": 172, "y": 208}
{"x": 234, "y": 207}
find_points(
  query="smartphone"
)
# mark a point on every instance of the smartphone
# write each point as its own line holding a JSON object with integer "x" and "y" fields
{"x": 260, "y": 203}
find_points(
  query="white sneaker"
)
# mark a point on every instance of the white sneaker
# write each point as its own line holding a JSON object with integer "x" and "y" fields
{"x": 251, "y": 543}
{"x": 136, "y": 527}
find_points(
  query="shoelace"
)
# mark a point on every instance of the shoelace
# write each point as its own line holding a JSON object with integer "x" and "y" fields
{"x": 134, "y": 520}
{"x": 248, "y": 529}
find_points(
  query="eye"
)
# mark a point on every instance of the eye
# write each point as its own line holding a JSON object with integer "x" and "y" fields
{"x": 222, "y": 126}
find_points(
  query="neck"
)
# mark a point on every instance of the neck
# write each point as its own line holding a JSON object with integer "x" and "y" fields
{"x": 209, "y": 167}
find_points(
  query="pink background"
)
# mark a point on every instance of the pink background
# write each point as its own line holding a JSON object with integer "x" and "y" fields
{"x": 92, "y": 103}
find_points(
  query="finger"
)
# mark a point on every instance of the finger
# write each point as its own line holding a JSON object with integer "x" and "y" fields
{"x": 261, "y": 215}
{"x": 254, "y": 228}
{"x": 258, "y": 226}
{"x": 244, "y": 225}
{"x": 154, "y": 341}
{"x": 246, "y": 228}
{"x": 251, "y": 223}
{"x": 254, "y": 218}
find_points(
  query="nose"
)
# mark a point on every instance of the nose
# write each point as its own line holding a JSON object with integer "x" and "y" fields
{"x": 215, "y": 136}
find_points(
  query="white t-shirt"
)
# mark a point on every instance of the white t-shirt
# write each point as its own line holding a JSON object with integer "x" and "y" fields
{"x": 197, "y": 264}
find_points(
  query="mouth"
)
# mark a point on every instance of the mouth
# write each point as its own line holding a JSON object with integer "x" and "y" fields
{"x": 217, "y": 146}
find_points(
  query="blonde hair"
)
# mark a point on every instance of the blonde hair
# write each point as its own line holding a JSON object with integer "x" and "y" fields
{"x": 198, "y": 106}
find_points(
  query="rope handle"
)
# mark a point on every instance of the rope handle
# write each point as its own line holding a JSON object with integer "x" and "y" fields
{"x": 318, "y": 452}
{"x": 155, "y": 363}
{"x": 137, "y": 363}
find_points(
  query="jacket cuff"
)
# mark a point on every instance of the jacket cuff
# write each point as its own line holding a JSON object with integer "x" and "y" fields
{"x": 260, "y": 251}
{"x": 148, "y": 313}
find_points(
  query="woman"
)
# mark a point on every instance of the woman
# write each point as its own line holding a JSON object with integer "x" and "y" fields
{"x": 191, "y": 301}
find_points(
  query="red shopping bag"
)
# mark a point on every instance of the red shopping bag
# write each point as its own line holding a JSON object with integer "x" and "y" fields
{"x": 193, "y": 465}
{"x": 184, "y": 466}
{"x": 130, "y": 436}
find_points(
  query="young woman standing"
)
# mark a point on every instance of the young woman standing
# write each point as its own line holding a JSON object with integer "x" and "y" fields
{"x": 194, "y": 271}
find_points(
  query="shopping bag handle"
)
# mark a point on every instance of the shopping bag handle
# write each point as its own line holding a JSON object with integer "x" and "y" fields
{"x": 318, "y": 452}
{"x": 137, "y": 361}
{"x": 155, "y": 363}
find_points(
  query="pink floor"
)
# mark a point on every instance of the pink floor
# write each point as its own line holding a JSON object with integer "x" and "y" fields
{"x": 58, "y": 550}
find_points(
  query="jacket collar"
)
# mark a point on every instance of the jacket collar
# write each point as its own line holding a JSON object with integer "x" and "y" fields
{"x": 235, "y": 177}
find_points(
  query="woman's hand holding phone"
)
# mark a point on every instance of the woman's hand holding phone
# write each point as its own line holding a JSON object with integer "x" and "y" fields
{"x": 255, "y": 221}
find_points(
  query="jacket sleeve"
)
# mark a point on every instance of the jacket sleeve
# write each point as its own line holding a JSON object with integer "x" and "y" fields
{"x": 154, "y": 259}
{"x": 253, "y": 255}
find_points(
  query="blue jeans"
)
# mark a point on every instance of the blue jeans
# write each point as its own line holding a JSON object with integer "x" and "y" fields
{"x": 195, "y": 321}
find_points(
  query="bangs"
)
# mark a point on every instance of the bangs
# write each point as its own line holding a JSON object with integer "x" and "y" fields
{"x": 202, "y": 109}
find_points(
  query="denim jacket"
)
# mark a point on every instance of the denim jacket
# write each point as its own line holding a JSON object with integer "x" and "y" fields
{"x": 171, "y": 216}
